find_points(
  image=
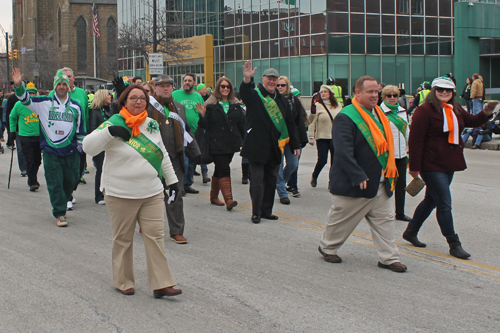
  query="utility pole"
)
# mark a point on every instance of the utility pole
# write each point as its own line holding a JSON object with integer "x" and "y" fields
{"x": 154, "y": 26}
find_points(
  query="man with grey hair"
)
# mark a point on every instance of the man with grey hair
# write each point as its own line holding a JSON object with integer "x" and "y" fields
{"x": 270, "y": 127}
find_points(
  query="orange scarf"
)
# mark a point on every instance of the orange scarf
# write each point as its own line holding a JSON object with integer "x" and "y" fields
{"x": 450, "y": 123}
{"x": 134, "y": 121}
{"x": 382, "y": 143}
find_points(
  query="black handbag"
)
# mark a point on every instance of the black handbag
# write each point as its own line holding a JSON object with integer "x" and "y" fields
{"x": 202, "y": 139}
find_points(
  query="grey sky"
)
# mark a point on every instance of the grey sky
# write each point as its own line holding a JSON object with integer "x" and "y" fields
{"x": 6, "y": 22}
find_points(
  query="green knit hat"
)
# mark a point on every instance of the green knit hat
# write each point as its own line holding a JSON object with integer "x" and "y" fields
{"x": 61, "y": 77}
{"x": 30, "y": 88}
{"x": 200, "y": 86}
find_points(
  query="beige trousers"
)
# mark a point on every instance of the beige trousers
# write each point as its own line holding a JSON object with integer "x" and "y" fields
{"x": 346, "y": 213}
{"x": 149, "y": 213}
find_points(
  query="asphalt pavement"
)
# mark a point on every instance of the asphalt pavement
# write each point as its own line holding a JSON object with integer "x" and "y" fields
{"x": 241, "y": 277}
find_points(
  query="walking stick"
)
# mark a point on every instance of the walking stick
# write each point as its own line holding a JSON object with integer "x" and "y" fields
{"x": 10, "y": 170}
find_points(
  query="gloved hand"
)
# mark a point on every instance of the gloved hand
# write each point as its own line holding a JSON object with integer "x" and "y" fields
{"x": 13, "y": 135}
{"x": 173, "y": 191}
{"x": 119, "y": 131}
{"x": 119, "y": 86}
{"x": 481, "y": 132}
{"x": 79, "y": 146}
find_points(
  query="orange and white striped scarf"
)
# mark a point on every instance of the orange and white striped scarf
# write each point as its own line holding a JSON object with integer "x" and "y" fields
{"x": 450, "y": 123}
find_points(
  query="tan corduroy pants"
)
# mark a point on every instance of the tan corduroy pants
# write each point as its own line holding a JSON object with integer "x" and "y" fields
{"x": 346, "y": 213}
{"x": 149, "y": 213}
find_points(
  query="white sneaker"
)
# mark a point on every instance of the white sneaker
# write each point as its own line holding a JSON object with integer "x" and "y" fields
{"x": 73, "y": 198}
{"x": 69, "y": 206}
{"x": 102, "y": 202}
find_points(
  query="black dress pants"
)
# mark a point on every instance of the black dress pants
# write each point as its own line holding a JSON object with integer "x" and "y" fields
{"x": 263, "y": 187}
{"x": 400, "y": 191}
{"x": 222, "y": 165}
{"x": 98, "y": 162}
{"x": 33, "y": 154}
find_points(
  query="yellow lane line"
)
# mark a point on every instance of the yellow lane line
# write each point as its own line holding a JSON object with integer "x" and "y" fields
{"x": 366, "y": 240}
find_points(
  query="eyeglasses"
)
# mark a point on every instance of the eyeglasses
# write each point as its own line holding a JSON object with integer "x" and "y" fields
{"x": 135, "y": 98}
{"x": 391, "y": 96}
{"x": 224, "y": 86}
{"x": 281, "y": 85}
{"x": 442, "y": 90}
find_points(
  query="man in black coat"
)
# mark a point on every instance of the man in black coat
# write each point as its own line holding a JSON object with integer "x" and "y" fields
{"x": 357, "y": 183}
{"x": 261, "y": 146}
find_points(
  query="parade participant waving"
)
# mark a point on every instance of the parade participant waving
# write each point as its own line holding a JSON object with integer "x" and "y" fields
{"x": 62, "y": 131}
{"x": 135, "y": 162}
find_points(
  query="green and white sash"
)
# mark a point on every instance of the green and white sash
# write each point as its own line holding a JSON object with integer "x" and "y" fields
{"x": 142, "y": 144}
{"x": 274, "y": 112}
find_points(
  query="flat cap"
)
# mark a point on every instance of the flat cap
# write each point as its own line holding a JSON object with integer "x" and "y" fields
{"x": 271, "y": 72}
{"x": 164, "y": 78}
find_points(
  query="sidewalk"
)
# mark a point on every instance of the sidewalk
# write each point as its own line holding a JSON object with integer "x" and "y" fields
{"x": 494, "y": 144}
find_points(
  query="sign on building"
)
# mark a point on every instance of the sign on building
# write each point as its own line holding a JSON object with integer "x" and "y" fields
{"x": 155, "y": 63}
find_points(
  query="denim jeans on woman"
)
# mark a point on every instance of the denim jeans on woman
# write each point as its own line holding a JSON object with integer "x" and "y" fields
{"x": 284, "y": 173}
{"x": 437, "y": 195}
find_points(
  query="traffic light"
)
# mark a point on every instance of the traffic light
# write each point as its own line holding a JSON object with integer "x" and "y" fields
{"x": 15, "y": 53}
{"x": 10, "y": 55}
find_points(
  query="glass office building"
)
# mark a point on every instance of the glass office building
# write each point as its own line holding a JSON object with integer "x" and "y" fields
{"x": 401, "y": 42}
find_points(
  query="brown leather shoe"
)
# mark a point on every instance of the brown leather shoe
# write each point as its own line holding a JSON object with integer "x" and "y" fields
{"x": 395, "y": 267}
{"x": 128, "y": 292}
{"x": 179, "y": 239}
{"x": 169, "y": 291}
{"x": 225, "y": 188}
{"x": 333, "y": 258}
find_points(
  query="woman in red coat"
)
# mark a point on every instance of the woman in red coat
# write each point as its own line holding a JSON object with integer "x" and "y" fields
{"x": 436, "y": 152}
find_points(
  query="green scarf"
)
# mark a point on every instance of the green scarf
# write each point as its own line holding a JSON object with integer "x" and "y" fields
{"x": 274, "y": 112}
{"x": 147, "y": 148}
{"x": 399, "y": 122}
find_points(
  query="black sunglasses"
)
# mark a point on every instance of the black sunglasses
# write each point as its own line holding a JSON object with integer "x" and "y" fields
{"x": 225, "y": 86}
{"x": 391, "y": 96}
{"x": 281, "y": 85}
{"x": 441, "y": 90}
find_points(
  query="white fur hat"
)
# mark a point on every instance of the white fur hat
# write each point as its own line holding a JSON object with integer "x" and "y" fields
{"x": 443, "y": 82}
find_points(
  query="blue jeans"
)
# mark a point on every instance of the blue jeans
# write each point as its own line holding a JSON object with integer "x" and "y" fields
{"x": 477, "y": 105}
{"x": 204, "y": 169}
{"x": 292, "y": 181}
{"x": 284, "y": 172}
{"x": 437, "y": 195}
{"x": 188, "y": 177}
{"x": 479, "y": 137}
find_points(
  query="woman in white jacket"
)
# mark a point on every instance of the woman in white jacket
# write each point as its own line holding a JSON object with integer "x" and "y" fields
{"x": 398, "y": 120}
{"x": 135, "y": 162}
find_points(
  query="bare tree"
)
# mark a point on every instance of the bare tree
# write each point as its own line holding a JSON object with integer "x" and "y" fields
{"x": 138, "y": 34}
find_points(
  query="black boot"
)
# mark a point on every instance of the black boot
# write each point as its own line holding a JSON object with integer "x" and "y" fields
{"x": 456, "y": 248}
{"x": 244, "y": 172}
{"x": 410, "y": 235}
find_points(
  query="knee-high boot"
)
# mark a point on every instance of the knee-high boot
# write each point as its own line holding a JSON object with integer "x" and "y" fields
{"x": 456, "y": 248}
{"x": 225, "y": 187}
{"x": 411, "y": 233}
{"x": 214, "y": 192}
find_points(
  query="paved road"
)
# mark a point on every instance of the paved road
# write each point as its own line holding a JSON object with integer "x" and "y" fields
{"x": 240, "y": 277}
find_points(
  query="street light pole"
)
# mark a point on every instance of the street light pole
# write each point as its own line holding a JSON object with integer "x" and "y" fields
{"x": 36, "y": 51}
{"x": 7, "y": 59}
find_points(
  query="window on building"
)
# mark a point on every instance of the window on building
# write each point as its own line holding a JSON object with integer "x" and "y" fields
{"x": 373, "y": 6}
{"x": 431, "y": 26}
{"x": 338, "y": 44}
{"x": 111, "y": 39}
{"x": 388, "y": 23}
{"x": 358, "y": 6}
{"x": 388, "y": 7}
{"x": 358, "y": 44}
{"x": 357, "y": 23}
{"x": 403, "y": 25}
{"x": 445, "y": 8}
{"x": 338, "y": 22}
{"x": 403, "y": 7}
{"x": 81, "y": 45}
{"x": 388, "y": 45}
{"x": 431, "y": 8}
{"x": 373, "y": 24}
{"x": 417, "y": 7}
{"x": 338, "y": 5}
{"x": 445, "y": 27}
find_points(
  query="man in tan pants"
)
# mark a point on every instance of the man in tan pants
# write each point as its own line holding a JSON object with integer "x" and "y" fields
{"x": 362, "y": 177}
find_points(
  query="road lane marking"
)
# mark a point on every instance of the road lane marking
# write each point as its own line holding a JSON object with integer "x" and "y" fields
{"x": 408, "y": 250}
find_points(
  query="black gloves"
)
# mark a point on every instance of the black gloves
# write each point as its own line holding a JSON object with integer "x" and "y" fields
{"x": 119, "y": 86}
{"x": 13, "y": 135}
{"x": 173, "y": 192}
{"x": 119, "y": 131}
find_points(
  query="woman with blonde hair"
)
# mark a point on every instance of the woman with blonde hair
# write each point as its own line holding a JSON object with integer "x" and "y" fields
{"x": 100, "y": 111}
{"x": 398, "y": 121}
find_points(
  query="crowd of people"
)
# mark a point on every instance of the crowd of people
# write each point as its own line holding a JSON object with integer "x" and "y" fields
{"x": 147, "y": 143}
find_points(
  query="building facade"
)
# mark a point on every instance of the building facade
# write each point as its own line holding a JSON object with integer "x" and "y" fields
{"x": 65, "y": 36}
{"x": 402, "y": 42}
